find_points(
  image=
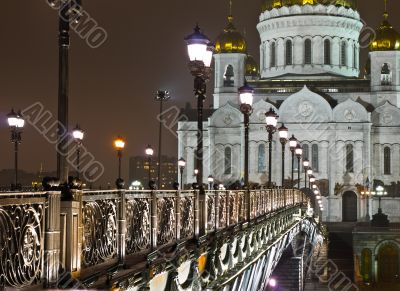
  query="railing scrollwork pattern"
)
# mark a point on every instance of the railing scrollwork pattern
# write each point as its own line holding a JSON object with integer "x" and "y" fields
{"x": 99, "y": 231}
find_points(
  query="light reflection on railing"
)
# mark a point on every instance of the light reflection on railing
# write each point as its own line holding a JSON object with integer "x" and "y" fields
{"x": 110, "y": 225}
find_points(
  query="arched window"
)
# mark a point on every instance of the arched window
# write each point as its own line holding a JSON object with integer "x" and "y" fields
{"x": 349, "y": 158}
{"x": 343, "y": 54}
{"x": 366, "y": 265}
{"x": 314, "y": 157}
{"x": 327, "y": 52}
{"x": 289, "y": 53}
{"x": 355, "y": 56}
{"x": 307, "y": 52}
{"x": 228, "y": 161}
{"x": 273, "y": 55}
{"x": 386, "y": 75}
{"x": 228, "y": 77}
{"x": 387, "y": 156}
{"x": 261, "y": 159}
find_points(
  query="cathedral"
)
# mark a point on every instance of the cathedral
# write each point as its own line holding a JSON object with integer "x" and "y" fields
{"x": 309, "y": 72}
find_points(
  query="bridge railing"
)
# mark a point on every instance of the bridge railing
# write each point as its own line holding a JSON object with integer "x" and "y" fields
{"x": 29, "y": 239}
{"x": 224, "y": 208}
{"x": 39, "y": 232}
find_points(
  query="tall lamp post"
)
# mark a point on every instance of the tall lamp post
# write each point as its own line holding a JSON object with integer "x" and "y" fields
{"x": 78, "y": 135}
{"x": 16, "y": 124}
{"x": 149, "y": 153}
{"x": 246, "y": 103}
{"x": 69, "y": 12}
{"x": 299, "y": 153}
{"x": 271, "y": 119}
{"x": 181, "y": 166}
{"x": 161, "y": 96}
{"x": 292, "y": 146}
{"x": 200, "y": 58}
{"x": 283, "y": 138}
{"x": 306, "y": 165}
{"x": 119, "y": 145}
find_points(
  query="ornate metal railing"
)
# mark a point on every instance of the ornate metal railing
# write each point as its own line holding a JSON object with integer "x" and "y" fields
{"x": 227, "y": 208}
{"x": 25, "y": 257}
{"x": 40, "y": 233}
{"x": 99, "y": 219}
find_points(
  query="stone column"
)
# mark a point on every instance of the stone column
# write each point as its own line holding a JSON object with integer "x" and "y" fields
{"x": 52, "y": 239}
{"x": 121, "y": 237}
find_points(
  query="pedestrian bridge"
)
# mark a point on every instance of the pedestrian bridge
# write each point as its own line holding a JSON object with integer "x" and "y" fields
{"x": 150, "y": 240}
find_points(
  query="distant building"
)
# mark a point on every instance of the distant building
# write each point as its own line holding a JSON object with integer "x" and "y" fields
{"x": 139, "y": 171}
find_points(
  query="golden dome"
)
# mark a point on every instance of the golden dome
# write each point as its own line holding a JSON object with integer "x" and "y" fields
{"x": 387, "y": 38}
{"x": 230, "y": 40}
{"x": 251, "y": 67}
{"x": 270, "y": 4}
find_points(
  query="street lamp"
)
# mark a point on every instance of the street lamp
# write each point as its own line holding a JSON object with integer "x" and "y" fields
{"x": 16, "y": 124}
{"x": 246, "y": 102}
{"x": 380, "y": 219}
{"x": 283, "y": 138}
{"x": 309, "y": 173}
{"x": 299, "y": 153}
{"x": 149, "y": 153}
{"x": 306, "y": 165}
{"x": 161, "y": 96}
{"x": 78, "y": 135}
{"x": 119, "y": 145}
{"x": 210, "y": 180}
{"x": 181, "y": 166}
{"x": 380, "y": 191}
{"x": 271, "y": 119}
{"x": 292, "y": 146}
{"x": 200, "y": 57}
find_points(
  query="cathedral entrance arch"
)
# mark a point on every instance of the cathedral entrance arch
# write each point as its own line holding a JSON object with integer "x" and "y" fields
{"x": 388, "y": 263}
{"x": 349, "y": 206}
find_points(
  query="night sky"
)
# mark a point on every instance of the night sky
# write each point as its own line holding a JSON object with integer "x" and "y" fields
{"x": 112, "y": 87}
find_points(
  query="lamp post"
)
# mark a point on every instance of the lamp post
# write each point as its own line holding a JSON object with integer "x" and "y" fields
{"x": 78, "y": 135}
{"x": 312, "y": 180}
{"x": 181, "y": 166}
{"x": 246, "y": 102}
{"x": 69, "y": 12}
{"x": 292, "y": 146}
{"x": 161, "y": 96}
{"x": 283, "y": 138}
{"x": 200, "y": 57}
{"x": 380, "y": 219}
{"x": 306, "y": 165}
{"x": 271, "y": 119}
{"x": 309, "y": 174}
{"x": 380, "y": 191}
{"x": 149, "y": 153}
{"x": 299, "y": 153}
{"x": 16, "y": 124}
{"x": 119, "y": 145}
{"x": 210, "y": 180}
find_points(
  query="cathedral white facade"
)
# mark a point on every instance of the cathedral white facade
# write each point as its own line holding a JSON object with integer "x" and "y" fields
{"x": 309, "y": 73}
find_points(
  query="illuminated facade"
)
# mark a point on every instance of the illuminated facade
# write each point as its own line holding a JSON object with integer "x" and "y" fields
{"x": 309, "y": 73}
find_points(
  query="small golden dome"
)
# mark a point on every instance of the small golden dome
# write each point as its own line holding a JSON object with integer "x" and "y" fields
{"x": 387, "y": 38}
{"x": 230, "y": 40}
{"x": 270, "y": 4}
{"x": 251, "y": 67}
